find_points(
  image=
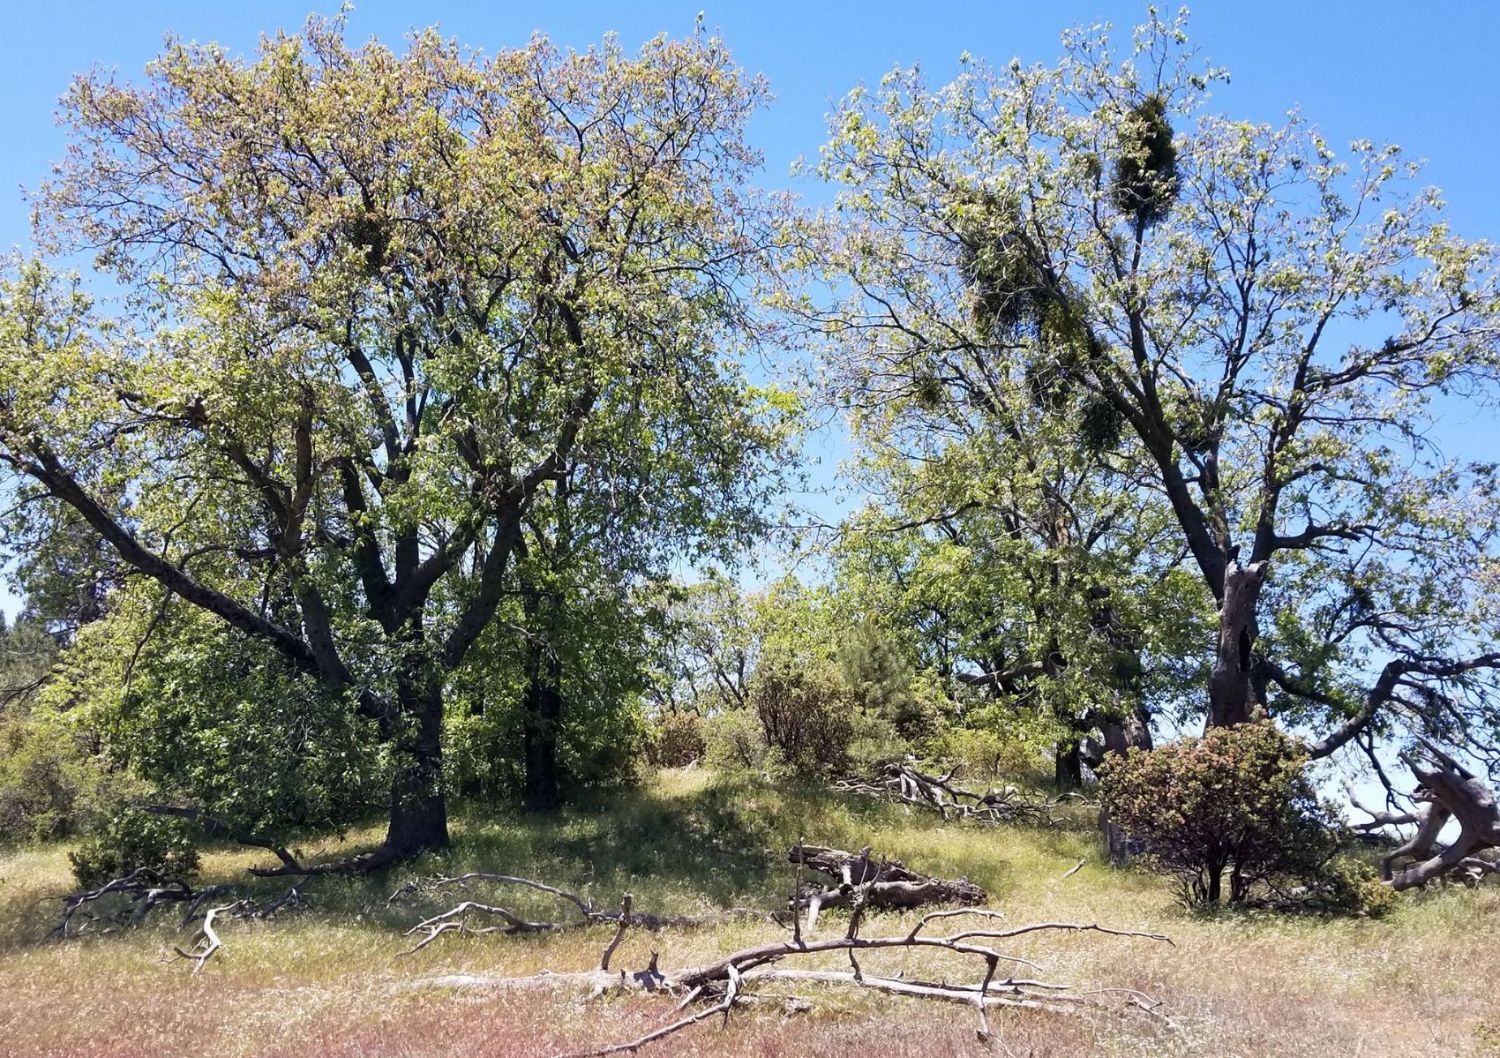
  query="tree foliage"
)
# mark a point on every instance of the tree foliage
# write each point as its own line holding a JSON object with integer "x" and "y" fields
{"x": 1201, "y": 345}
{"x": 380, "y": 307}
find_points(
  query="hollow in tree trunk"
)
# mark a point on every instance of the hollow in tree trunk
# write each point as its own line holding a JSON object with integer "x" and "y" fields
{"x": 1231, "y": 691}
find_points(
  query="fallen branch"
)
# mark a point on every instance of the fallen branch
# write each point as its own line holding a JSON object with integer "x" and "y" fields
{"x": 208, "y": 937}
{"x": 128, "y": 898}
{"x": 456, "y": 919}
{"x": 1445, "y": 790}
{"x": 723, "y": 980}
{"x": 905, "y": 784}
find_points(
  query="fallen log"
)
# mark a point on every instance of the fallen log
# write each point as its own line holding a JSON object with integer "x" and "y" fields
{"x": 883, "y": 884}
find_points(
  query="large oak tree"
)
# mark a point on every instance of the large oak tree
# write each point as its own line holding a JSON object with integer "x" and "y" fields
{"x": 1267, "y": 331}
{"x": 375, "y": 307}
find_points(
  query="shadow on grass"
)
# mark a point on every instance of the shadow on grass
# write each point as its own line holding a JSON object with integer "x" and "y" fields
{"x": 684, "y": 843}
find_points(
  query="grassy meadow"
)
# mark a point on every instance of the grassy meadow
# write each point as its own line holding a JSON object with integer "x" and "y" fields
{"x": 331, "y": 980}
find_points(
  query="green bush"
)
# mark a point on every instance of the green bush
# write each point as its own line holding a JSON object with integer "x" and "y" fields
{"x": 1348, "y": 885}
{"x": 807, "y": 716}
{"x": 133, "y": 838}
{"x": 1237, "y": 801}
{"x": 675, "y": 740}
{"x": 734, "y": 741}
{"x": 51, "y": 785}
{"x": 986, "y": 755}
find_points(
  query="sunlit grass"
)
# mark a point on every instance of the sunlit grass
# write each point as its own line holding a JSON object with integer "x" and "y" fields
{"x": 327, "y": 980}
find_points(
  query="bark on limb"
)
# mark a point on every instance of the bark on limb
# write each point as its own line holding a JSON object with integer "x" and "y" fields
{"x": 877, "y": 884}
{"x": 1446, "y": 790}
{"x": 722, "y": 981}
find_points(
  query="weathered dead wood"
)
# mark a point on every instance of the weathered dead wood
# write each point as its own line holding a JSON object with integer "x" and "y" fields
{"x": 1446, "y": 790}
{"x": 456, "y": 920}
{"x": 208, "y": 938}
{"x": 723, "y": 980}
{"x": 905, "y": 784}
{"x": 885, "y": 884}
{"x": 129, "y": 899}
{"x": 120, "y": 902}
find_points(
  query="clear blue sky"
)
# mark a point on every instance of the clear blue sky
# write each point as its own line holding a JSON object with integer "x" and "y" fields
{"x": 1423, "y": 75}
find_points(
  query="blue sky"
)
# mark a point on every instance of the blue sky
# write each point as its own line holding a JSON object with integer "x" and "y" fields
{"x": 1419, "y": 74}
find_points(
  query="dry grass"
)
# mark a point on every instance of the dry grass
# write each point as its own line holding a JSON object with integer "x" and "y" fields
{"x": 326, "y": 981}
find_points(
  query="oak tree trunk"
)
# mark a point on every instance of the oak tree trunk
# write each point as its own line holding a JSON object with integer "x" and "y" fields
{"x": 543, "y": 708}
{"x": 1121, "y": 735}
{"x": 1231, "y": 692}
{"x": 1068, "y": 771}
{"x": 542, "y": 703}
{"x": 419, "y": 813}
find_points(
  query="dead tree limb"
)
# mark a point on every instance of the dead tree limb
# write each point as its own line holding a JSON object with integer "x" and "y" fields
{"x": 456, "y": 920}
{"x": 889, "y": 883}
{"x": 723, "y": 980}
{"x": 621, "y": 927}
{"x": 120, "y": 902}
{"x": 1453, "y": 792}
{"x": 1446, "y": 790}
{"x": 904, "y": 783}
{"x": 207, "y": 938}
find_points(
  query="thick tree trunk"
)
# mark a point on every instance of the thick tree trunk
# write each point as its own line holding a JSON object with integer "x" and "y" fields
{"x": 1068, "y": 770}
{"x": 1132, "y": 731}
{"x": 419, "y": 812}
{"x": 1231, "y": 692}
{"x": 543, "y": 719}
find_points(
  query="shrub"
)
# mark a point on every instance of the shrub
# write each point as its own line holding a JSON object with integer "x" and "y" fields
{"x": 807, "y": 717}
{"x": 1347, "y": 885}
{"x": 133, "y": 838}
{"x": 734, "y": 741}
{"x": 1237, "y": 800}
{"x": 988, "y": 755}
{"x": 675, "y": 740}
{"x": 51, "y": 785}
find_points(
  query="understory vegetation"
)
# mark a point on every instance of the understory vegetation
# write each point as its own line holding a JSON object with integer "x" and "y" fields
{"x": 330, "y": 979}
